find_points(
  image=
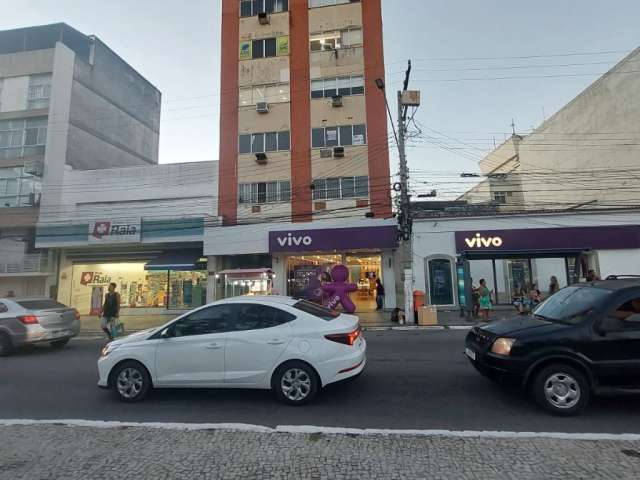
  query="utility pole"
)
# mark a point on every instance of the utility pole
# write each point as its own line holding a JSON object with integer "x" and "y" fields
{"x": 406, "y": 98}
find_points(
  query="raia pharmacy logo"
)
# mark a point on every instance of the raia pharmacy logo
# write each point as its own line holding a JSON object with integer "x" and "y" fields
{"x": 483, "y": 242}
{"x": 290, "y": 240}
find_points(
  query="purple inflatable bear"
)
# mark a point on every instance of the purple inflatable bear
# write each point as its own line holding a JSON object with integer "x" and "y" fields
{"x": 338, "y": 290}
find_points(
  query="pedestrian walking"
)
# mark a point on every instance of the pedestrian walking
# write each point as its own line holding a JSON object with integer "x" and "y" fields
{"x": 554, "y": 285}
{"x": 379, "y": 295}
{"x": 475, "y": 300}
{"x": 485, "y": 300}
{"x": 110, "y": 310}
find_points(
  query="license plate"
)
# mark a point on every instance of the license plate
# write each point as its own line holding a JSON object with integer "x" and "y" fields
{"x": 470, "y": 353}
{"x": 58, "y": 333}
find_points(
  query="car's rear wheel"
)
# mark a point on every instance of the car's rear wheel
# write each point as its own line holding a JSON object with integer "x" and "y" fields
{"x": 59, "y": 343}
{"x": 295, "y": 383}
{"x": 131, "y": 381}
{"x": 561, "y": 389}
{"x": 6, "y": 345}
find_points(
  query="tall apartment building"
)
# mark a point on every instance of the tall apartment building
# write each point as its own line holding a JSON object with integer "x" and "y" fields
{"x": 67, "y": 102}
{"x": 303, "y": 141}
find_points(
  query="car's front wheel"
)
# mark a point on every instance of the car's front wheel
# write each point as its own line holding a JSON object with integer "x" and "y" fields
{"x": 561, "y": 389}
{"x": 295, "y": 383}
{"x": 131, "y": 381}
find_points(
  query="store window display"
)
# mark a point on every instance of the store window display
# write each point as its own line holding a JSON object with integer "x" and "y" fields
{"x": 306, "y": 274}
{"x": 138, "y": 287}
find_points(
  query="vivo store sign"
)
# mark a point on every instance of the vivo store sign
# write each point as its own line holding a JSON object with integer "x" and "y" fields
{"x": 478, "y": 241}
{"x": 333, "y": 239}
{"x": 112, "y": 231}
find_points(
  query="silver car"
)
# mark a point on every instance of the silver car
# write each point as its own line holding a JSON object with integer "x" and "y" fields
{"x": 25, "y": 321}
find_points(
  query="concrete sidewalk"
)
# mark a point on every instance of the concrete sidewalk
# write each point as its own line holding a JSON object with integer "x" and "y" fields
{"x": 189, "y": 452}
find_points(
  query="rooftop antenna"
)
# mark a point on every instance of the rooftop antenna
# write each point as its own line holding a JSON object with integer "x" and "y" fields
{"x": 513, "y": 126}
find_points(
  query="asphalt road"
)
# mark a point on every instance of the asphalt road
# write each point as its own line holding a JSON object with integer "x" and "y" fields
{"x": 414, "y": 380}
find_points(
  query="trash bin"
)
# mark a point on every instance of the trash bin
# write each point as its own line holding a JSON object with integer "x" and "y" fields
{"x": 418, "y": 302}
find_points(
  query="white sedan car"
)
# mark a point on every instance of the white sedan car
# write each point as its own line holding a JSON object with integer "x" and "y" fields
{"x": 291, "y": 346}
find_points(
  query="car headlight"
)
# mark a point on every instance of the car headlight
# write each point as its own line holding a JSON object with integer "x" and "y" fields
{"x": 107, "y": 349}
{"x": 502, "y": 346}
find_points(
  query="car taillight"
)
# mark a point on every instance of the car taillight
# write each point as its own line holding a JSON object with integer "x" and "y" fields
{"x": 345, "y": 338}
{"x": 76, "y": 313}
{"x": 28, "y": 319}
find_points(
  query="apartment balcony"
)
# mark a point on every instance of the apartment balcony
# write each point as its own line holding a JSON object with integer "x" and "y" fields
{"x": 26, "y": 265}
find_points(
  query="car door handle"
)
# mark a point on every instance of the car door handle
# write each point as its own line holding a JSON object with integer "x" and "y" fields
{"x": 213, "y": 346}
{"x": 276, "y": 341}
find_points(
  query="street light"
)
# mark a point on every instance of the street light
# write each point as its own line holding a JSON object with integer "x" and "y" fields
{"x": 380, "y": 85}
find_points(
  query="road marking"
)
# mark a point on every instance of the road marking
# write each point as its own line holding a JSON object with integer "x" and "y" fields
{"x": 305, "y": 429}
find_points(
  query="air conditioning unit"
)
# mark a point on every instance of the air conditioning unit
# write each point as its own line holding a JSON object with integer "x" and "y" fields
{"x": 263, "y": 18}
{"x": 261, "y": 158}
{"x": 262, "y": 107}
{"x": 336, "y": 101}
{"x": 338, "y": 152}
{"x": 326, "y": 153}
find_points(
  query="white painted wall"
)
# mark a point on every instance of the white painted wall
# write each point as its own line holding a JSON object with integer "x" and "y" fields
{"x": 13, "y": 96}
{"x": 619, "y": 262}
{"x": 151, "y": 192}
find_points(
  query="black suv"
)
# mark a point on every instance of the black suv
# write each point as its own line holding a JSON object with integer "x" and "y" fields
{"x": 584, "y": 339}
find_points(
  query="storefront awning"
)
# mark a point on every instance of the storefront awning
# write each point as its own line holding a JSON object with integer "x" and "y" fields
{"x": 181, "y": 260}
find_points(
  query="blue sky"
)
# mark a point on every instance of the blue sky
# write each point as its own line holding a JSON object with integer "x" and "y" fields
{"x": 176, "y": 46}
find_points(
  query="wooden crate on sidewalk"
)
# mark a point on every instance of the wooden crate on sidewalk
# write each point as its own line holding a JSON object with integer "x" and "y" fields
{"x": 427, "y": 315}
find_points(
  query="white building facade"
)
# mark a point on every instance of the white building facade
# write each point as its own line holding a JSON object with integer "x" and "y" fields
{"x": 520, "y": 250}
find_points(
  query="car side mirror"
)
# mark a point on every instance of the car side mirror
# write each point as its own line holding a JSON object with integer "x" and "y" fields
{"x": 610, "y": 324}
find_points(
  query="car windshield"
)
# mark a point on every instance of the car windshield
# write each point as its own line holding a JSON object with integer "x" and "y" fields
{"x": 38, "y": 304}
{"x": 316, "y": 310}
{"x": 571, "y": 304}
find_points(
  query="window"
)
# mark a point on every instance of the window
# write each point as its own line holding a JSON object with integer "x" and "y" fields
{"x": 271, "y": 142}
{"x": 39, "y": 91}
{"x": 264, "y": 142}
{"x": 249, "y": 8}
{"x": 270, "y": 47}
{"x": 330, "y": 87}
{"x": 3, "y": 308}
{"x": 317, "y": 138}
{"x": 345, "y": 135}
{"x": 316, "y": 310}
{"x": 245, "y": 144}
{"x": 359, "y": 134}
{"x": 264, "y": 192}
{"x": 284, "y": 140}
{"x": 22, "y": 138}
{"x": 18, "y": 188}
{"x": 44, "y": 304}
{"x": 276, "y": 93}
{"x": 344, "y": 187}
{"x": 348, "y": 187}
{"x": 203, "y": 322}
{"x": 264, "y": 48}
{"x": 327, "y": 3}
{"x": 317, "y": 89}
{"x": 255, "y": 317}
{"x": 500, "y": 197}
{"x": 628, "y": 313}
{"x": 335, "y": 40}
{"x": 362, "y": 186}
